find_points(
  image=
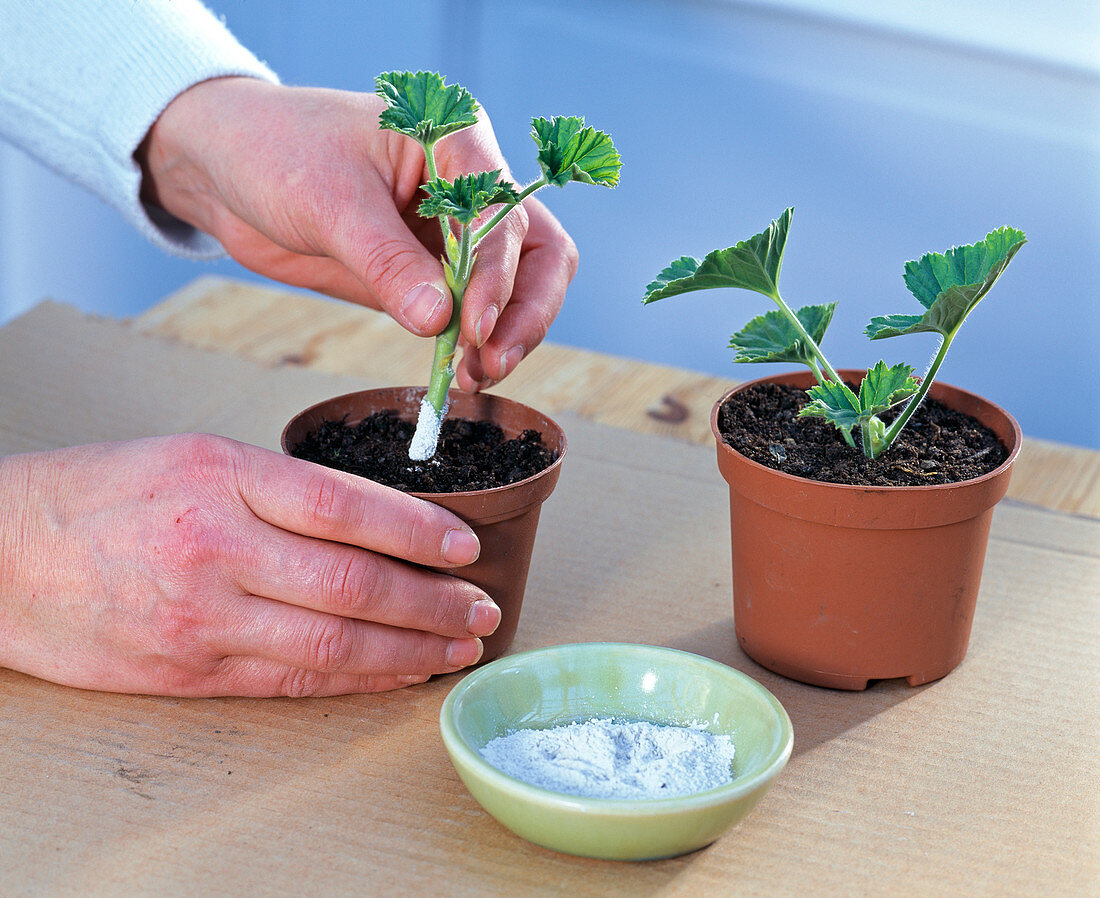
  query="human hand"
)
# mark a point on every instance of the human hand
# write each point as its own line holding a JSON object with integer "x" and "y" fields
{"x": 193, "y": 565}
{"x": 302, "y": 186}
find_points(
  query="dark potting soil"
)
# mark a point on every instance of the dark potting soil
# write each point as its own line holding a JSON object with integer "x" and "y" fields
{"x": 472, "y": 455}
{"x": 936, "y": 446}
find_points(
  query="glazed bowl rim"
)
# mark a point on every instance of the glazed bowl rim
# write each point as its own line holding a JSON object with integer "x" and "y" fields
{"x": 741, "y": 786}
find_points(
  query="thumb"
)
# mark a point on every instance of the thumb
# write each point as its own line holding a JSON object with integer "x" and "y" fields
{"x": 399, "y": 273}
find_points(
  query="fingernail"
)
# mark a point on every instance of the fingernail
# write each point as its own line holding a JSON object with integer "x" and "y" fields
{"x": 483, "y": 617}
{"x": 411, "y": 679}
{"x": 509, "y": 361}
{"x": 460, "y": 547}
{"x": 464, "y": 652}
{"x": 421, "y": 303}
{"x": 484, "y": 327}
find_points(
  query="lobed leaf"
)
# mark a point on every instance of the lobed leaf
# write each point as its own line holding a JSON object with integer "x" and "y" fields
{"x": 752, "y": 264}
{"x": 949, "y": 285}
{"x": 467, "y": 196}
{"x": 772, "y": 337}
{"x": 681, "y": 269}
{"x": 569, "y": 150}
{"x": 884, "y": 387}
{"x": 894, "y": 325}
{"x": 836, "y": 403}
{"x": 422, "y": 106}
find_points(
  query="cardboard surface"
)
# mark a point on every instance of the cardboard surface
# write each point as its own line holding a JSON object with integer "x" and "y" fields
{"x": 984, "y": 783}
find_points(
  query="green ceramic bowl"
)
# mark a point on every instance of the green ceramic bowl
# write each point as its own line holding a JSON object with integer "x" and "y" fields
{"x": 563, "y": 684}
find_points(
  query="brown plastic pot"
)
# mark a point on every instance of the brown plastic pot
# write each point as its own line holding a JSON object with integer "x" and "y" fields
{"x": 504, "y": 518}
{"x": 837, "y": 585}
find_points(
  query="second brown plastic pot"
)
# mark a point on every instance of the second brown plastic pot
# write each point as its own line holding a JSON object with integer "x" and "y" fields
{"x": 837, "y": 585}
{"x": 505, "y": 518}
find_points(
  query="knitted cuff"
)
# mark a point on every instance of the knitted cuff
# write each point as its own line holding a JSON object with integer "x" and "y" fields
{"x": 82, "y": 83}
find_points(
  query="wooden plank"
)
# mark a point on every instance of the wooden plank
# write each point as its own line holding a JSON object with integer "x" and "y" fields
{"x": 278, "y": 327}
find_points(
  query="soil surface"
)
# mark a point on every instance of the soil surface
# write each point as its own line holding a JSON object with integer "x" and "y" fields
{"x": 472, "y": 455}
{"x": 937, "y": 446}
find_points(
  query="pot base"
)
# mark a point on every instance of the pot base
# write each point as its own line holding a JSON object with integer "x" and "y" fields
{"x": 846, "y": 682}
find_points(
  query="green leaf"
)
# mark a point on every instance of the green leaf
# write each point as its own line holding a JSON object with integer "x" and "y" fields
{"x": 467, "y": 196}
{"x": 836, "y": 403}
{"x": 949, "y": 285}
{"x": 752, "y": 264}
{"x": 884, "y": 387}
{"x": 568, "y": 150}
{"x": 423, "y": 107}
{"x": 682, "y": 269}
{"x": 772, "y": 337}
{"x": 977, "y": 265}
{"x": 894, "y": 325}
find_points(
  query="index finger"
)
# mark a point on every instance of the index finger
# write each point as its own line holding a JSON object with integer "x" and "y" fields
{"x": 547, "y": 265}
{"x": 493, "y": 281}
{"x": 310, "y": 499}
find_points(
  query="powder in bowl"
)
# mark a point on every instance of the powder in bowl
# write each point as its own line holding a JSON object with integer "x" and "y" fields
{"x": 607, "y": 758}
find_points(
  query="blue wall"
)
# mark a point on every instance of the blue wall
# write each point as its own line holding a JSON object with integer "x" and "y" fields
{"x": 888, "y": 143}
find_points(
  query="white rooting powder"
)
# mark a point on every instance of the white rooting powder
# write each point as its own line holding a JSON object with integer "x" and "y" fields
{"x": 604, "y": 758}
{"x": 428, "y": 425}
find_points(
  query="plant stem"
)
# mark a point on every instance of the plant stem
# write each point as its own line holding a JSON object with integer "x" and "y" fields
{"x": 817, "y": 357}
{"x": 906, "y": 413}
{"x": 816, "y": 369}
{"x": 502, "y": 213}
{"x": 805, "y": 335}
{"x": 442, "y": 371}
{"x": 447, "y": 341}
{"x": 865, "y": 439}
{"x": 433, "y": 173}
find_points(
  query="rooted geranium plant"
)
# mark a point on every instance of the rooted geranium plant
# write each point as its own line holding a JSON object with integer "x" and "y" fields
{"x": 423, "y": 107}
{"x": 949, "y": 285}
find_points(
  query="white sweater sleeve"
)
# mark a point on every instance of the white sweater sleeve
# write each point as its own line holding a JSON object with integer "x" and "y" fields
{"x": 82, "y": 82}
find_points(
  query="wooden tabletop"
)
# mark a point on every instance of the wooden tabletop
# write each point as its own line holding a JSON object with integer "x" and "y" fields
{"x": 983, "y": 783}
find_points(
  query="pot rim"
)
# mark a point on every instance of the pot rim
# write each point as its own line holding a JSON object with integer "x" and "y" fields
{"x": 999, "y": 471}
{"x": 418, "y": 393}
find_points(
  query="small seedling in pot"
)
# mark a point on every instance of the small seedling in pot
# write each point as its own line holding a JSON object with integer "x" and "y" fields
{"x": 424, "y": 108}
{"x": 949, "y": 285}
